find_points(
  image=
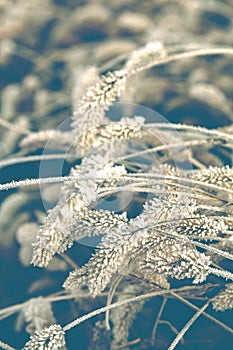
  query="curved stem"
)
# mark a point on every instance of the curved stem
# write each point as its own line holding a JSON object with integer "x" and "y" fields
{"x": 27, "y": 159}
{"x": 186, "y": 54}
{"x": 160, "y": 148}
{"x": 185, "y": 127}
{"x": 110, "y": 297}
{"x": 10, "y": 310}
{"x": 113, "y": 306}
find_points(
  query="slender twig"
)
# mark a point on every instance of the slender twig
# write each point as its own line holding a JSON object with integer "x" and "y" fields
{"x": 132, "y": 342}
{"x": 186, "y": 127}
{"x": 110, "y": 297}
{"x": 157, "y": 321}
{"x": 187, "y": 326}
{"x": 174, "y": 330}
{"x": 68, "y": 260}
{"x": 33, "y": 182}
{"x": 113, "y": 306}
{"x": 210, "y": 317}
{"x": 186, "y": 54}
{"x": 27, "y": 159}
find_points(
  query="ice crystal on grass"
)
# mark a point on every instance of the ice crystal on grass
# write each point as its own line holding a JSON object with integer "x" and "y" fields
{"x": 37, "y": 313}
{"x": 174, "y": 230}
{"x": 217, "y": 176}
{"x": 224, "y": 300}
{"x": 160, "y": 247}
{"x": 51, "y": 338}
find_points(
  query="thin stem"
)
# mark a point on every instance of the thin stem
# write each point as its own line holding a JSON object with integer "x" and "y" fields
{"x": 185, "y": 127}
{"x": 13, "y": 127}
{"x": 197, "y": 194}
{"x": 193, "y": 53}
{"x": 10, "y": 310}
{"x": 174, "y": 330}
{"x": 158, "y": 320}
{"x": 33, "y": 182}
{"x": 222, "y": 273}
{"x": 179, "y": 179}
{"x": 210, "y": 317}
{"x": 213, "y": 250}
{"x": 129, "y": 178}
{"x": 132, "y": 342}
{"x": 187, "y": 326}
{"x": 6, "y": 315}
{"x": 110, "y": 297}
{"x": 166, "y": 147}
{"x": 143, "y": 177}
{"x": 27, "y": 159}
{"x": 6, "y": 346}
{"x": 113, "y": 306}
{"x": 68, "y": 260}
{"x": 196, "y": 162}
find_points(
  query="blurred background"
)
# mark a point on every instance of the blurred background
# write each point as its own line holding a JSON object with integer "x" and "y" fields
{"x": 44, "y": 48}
